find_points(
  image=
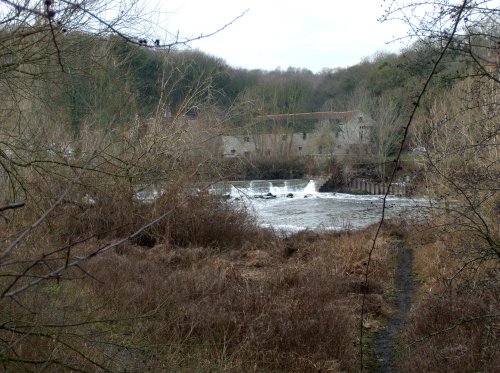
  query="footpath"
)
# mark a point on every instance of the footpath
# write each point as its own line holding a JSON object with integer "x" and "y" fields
{"x": 385, "y": 340}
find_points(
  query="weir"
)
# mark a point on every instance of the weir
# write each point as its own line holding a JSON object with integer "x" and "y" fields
{"x": 279, "y": 188}
{"x": 303, "y": 187}
{"x": 294, "y": 205}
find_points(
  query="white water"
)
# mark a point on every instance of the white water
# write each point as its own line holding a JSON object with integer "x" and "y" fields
{"x": 278, "y": 188}
{"x": 309, "y": 209}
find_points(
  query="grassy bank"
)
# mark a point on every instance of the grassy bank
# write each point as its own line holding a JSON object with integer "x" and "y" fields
{"x": 205, "y": 289}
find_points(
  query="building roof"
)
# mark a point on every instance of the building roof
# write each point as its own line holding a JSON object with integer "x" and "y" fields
{"x": 343, "y": 115}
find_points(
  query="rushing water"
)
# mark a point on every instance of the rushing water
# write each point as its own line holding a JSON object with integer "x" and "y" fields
{"x": 293, "y": 205}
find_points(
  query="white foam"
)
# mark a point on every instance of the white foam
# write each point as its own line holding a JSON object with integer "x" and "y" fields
{"x": 278, "y": 189}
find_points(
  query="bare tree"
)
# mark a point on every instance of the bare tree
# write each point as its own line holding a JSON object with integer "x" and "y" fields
{"x": 459, "y": 129}
{"x": 386, "y": 132}
{"x": 68, "y": 196}
{"x": 379, "y": 131}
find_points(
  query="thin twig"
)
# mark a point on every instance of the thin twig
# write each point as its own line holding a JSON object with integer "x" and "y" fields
{"x": 454, "y": 326}
{"x": 12, "y": 206}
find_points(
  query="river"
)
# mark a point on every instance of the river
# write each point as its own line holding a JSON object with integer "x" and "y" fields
{"x": 294, "y": 205}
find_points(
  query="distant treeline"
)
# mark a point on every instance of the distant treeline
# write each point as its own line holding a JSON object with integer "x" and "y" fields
{"x": 130, "y": 81}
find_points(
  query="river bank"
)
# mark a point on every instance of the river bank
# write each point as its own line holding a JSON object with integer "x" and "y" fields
{"x": 209, "y": 289}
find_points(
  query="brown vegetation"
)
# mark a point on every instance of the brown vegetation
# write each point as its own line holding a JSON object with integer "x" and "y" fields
{"x": 94, "y": 278}
{"x": 453, "y": 325}
{"x": 213, "y": 293}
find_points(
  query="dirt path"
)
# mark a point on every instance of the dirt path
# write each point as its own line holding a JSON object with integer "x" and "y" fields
{"x": 383, "y": 344}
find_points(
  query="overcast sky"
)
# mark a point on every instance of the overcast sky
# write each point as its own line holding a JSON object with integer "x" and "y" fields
{"x": 313, "y": 34}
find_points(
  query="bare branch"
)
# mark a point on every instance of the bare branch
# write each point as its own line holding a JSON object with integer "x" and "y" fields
{"x": 392, "y": 177}
{"x": 12, "y": 206}
{"x": 460, "y": 322}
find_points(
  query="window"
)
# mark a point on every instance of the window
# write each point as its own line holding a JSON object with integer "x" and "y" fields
{"x": 283, "y": 137}
{"x": 304, "y": 135}
{"x": 365, "y": 132}
{"x": 233, "y": 151}
{"x": 300, "y": 148}
{"x": 246, "y": 139}
{"x": 339, "y": 132}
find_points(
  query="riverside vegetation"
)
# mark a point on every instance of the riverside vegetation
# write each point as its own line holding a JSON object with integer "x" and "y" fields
{"x": 94, "y": 277}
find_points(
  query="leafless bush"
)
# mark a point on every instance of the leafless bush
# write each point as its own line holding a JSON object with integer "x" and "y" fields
{"x": 454, "y": 332}
{"x": 249, "y": 309}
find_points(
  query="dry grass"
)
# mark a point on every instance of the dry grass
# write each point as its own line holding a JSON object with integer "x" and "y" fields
{"x": 268, "y": 304}
{"x": 206, "y": 290}
{"x": 253, "y": 309}
{"x": 203, "y": 290}
{"x": 450, "y": 328}
{"x": 452, "y": 334}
